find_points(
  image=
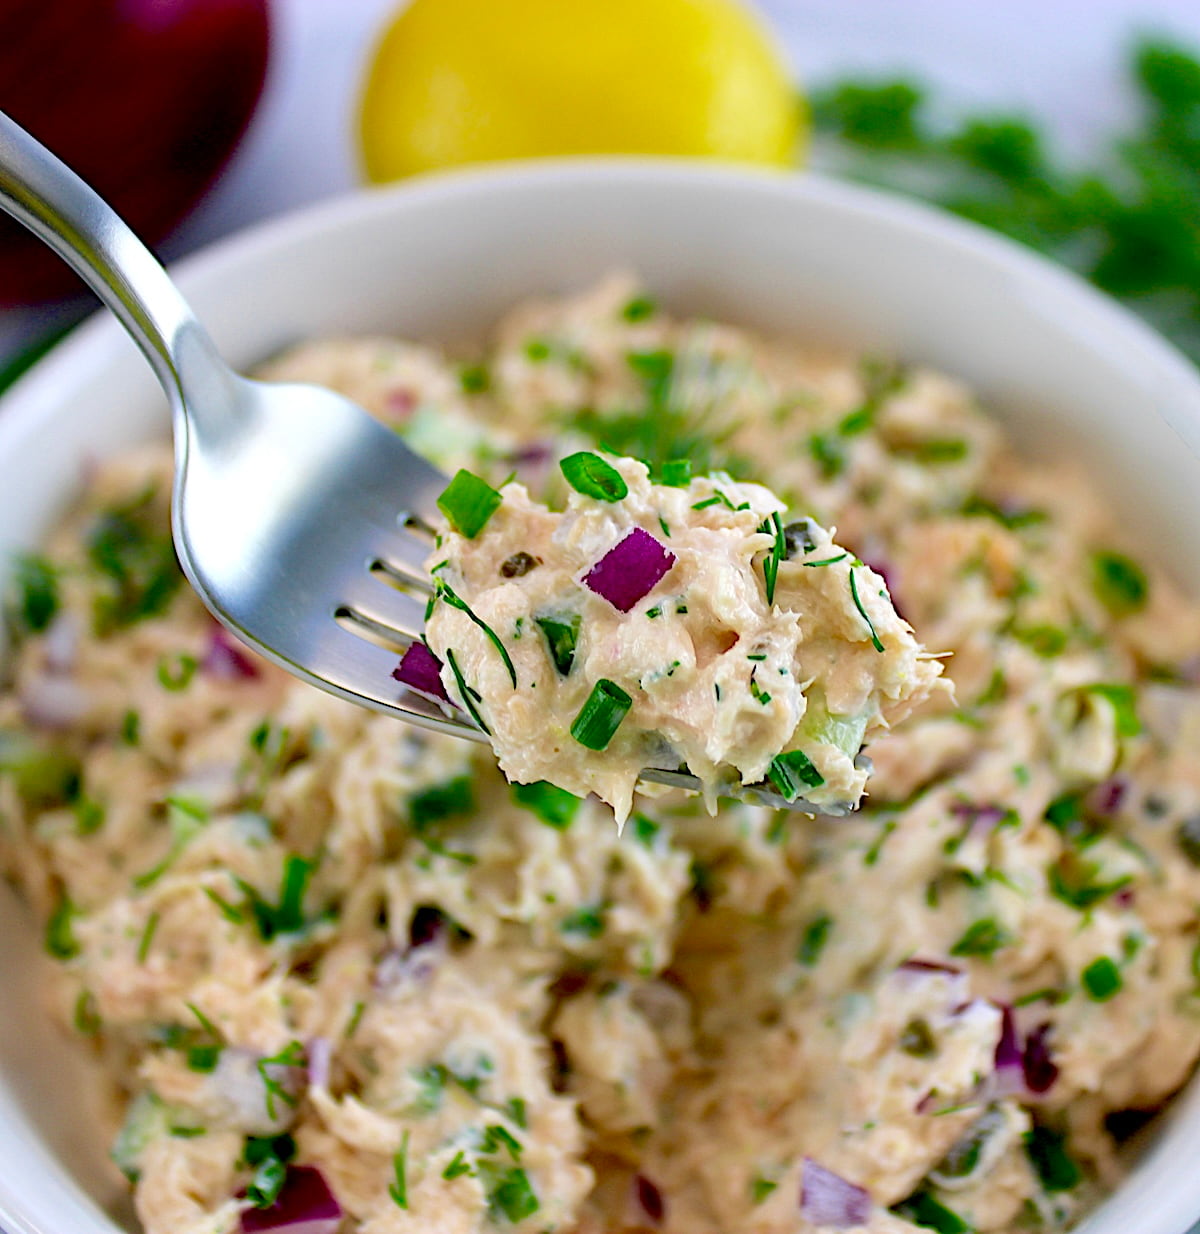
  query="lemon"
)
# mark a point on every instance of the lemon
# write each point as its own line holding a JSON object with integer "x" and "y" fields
{"x": 466, "y": 81}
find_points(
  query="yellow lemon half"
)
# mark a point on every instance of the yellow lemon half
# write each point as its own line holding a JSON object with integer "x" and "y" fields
{"x": 467, "y": 81}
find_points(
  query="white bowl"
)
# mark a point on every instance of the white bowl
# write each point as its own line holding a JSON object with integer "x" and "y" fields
{"x": 1069, "y": 373}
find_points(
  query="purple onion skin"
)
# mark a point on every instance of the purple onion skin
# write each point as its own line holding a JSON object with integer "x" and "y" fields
{"x": 917, "y": 965}
{"x": 629, "y": 570}
{"x": 305, "y": 1206}
{"x": 227, "y": 659}
{"x": 1008, "y": 1048}
{"x": 828, "y": 1199}
{"x": 420, "y": 670}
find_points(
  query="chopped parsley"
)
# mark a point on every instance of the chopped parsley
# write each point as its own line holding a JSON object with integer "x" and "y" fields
{"x": 813, "y": 940}
{"x": 512, "y": 1195}
{"x": 36, "y": 583}
{"x": 552, "y": 805}
{"x": 451, "y": 799}
{"x": 135, "y": 559}
{"x": 982, "y": 938}
{"x": 286, "y": 916}
{"x": 1119, "y": 583}
{"x": 1047, "y": 1152}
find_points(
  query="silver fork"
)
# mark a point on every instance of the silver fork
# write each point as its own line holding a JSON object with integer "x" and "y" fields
{"x": 301, "y": 522}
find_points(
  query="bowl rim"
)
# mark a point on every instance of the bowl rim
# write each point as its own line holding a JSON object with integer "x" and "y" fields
{"x": 34, "y": 398}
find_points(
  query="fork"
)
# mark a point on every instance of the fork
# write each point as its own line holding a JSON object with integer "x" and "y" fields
{"x": 301, "y": 521}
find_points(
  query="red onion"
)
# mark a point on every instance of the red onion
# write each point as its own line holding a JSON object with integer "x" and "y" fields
{"x": 649, "y": 1199}
{"x": 428, "y": 925}
{"x": 225, "y": 659}
{"x": 305, "y": 1206}
{"x": 61, "y": 644}
{"x": 917, "y": 965}
{"x": 420, "y": 670}
{"x": 1036, "y": 1061}
{"x": 828, "y": 1199}
{"x": 1107, "y": 798}
{"x": 400, "y": 403}
{"x": 319, "y": 1053}
{"x": 629, "y": 570}
{"x": 1008, "y": 1079}
{"x": 144, "y": 99}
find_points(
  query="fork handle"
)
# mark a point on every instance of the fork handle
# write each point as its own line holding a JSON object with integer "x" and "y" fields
{"x": 44, "y": 194}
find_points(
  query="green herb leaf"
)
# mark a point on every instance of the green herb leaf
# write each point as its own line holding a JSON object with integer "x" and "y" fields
{"x": 468, "y": 696}
{"x": 760, "y": 1188}
{"x": 468, "y": 502}
{"x": 512, "y": 1195}
{"x": 286, "y": 917}
{"x": 175, "y": 672}
{"x": 675, "y": 473}
{"x": 922, "y": 1209}
{"x": 589, "y": 922}
{"x": 982, "y": 938}
{"x": 133, "y": 555}
{"x": 1124, "y": 703}
{"x": 451, "y": 799}
{"x": 638, "y": 309}
{"x": 813, "y": 940}
{"x": 264, "y": 1188}
{"x": 61, "y": 942}
{"x": 554, "y": 806}
{"x": 590, "y": 475}
{"x": 459, "y": 1165}
{"x": 776, "y": 554}
{"x": 291, "y": 1056}
{"x": 792, "y": 771}
{"x": 601, "y": 716}
{"x": 474, "y": 378}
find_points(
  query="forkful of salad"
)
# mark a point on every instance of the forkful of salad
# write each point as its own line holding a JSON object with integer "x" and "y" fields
{"x": 667, "y": 628}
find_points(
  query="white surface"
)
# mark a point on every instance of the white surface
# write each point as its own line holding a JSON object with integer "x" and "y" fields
{"x": 1067, "y": 371}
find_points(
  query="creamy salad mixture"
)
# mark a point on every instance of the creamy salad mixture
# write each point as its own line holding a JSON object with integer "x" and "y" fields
{"x": 338, "y": 973}
{"x": 665, "y": 625}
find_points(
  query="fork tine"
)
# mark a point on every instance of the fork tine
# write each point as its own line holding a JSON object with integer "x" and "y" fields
{"x": 401, "y": 550}
{"x": 370, "y": 597}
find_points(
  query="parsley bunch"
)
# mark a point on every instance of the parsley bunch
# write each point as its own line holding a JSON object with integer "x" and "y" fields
{"x": 1130, "y": 224}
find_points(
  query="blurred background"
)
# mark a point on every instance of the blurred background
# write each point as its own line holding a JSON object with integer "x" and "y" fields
{"x": 1072, "y": 125}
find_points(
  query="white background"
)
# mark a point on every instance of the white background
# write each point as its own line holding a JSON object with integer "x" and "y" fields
{"x": 1059, "y": 60}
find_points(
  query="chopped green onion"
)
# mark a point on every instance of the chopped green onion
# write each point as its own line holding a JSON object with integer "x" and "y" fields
{"x": 932, "y": 452}
{"x": 828, "y": 454}
{"x": 639, "y": 308}
{"x": 760, "y": 1188}
{"x": 264, "y": 1188}
{"x": 537, "y": 350}
{"x": 562, "y": 636}
{"x": 676, "y": 473}
{"x": 1124, "y": 705}
{"x": 552, "y": 805}
{"x": 450, "y": 799}
{"x": 61, "y": 942}
{"x": 590, "y": 475}
{"x": 474, "y": 378}
{"x": 468, "y": 502}
{"x": 147, "y": 937}
{"x": 792, "y": 771}
{"x": 1101, "y": 979}
{"x": 589, "y": 922}
{"x": 601, "y": 716}
{"x": 1120, "y": 583}
{"x": 858, "y": 604}
{"x": 515, "y": 1109}
{"x": 175, "y": 673}
{"x": 922, "y": 1209}
{"x": 645, "y": 830}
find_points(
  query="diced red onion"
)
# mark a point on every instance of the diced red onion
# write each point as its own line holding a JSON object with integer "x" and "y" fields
{"x": 1124, "y": 897}
{"x": 917, "y": 965}
{"x": 398, "y": 968}
{"x": 532, "y": 463}
{"x": 828, "y": 1199}
{"x": 305, "y": 1206}
{"x": 649, "y": 1198}
{"x": 978, "y": 815}
{"x": 629, "y": 570}
{"x": 61, "y": 644}
{"x": 319, "y": 1053}
{"x": 1107, "y": 798}
{"x": 1036, "y": 1061}
{"x": 1008, "y": 1080}
{"x": 420, "y": 670}
{"x": 400, "y": 402}
{"x": 226, "y": 659}
{"x": 53, "y": 702}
